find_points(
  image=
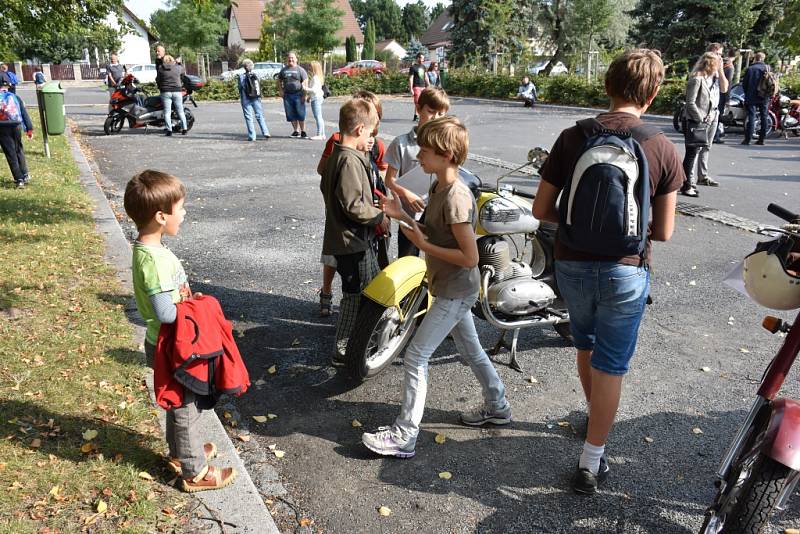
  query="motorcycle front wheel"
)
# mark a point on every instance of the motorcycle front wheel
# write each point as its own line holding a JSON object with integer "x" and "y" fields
{"x": 381, "y": 334}
{"x": 758, "y": 497}
{"x": 113, "y": 124}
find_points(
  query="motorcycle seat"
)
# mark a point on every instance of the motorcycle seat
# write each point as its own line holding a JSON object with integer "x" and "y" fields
{"x": 152, "y": 102}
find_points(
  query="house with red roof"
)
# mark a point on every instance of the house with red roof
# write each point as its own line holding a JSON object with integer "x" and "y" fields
{"x": 244, "y": 24}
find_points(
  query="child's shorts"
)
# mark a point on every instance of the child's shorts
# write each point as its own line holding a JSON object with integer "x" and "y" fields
{"x": 328, "y": 260}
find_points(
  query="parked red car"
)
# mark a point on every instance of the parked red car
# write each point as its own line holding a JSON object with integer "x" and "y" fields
{"x": 365, "y": 66}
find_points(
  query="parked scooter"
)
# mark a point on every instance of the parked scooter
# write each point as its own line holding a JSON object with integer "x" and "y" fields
{"x": 517, "y": 290}
{"x": 759, "y": 471}
{"x": 143, "y": 111}
{"x": 790, "y": 117}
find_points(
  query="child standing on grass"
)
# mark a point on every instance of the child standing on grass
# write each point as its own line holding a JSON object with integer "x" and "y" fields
{"x": 154, "y": 200}
{"x": 451, "y": 256}
{"x": 13, "y": 115}
{"x": 350, "y": 214}
{"x": 376, "y": 153}
{"x": 401, "y": 156}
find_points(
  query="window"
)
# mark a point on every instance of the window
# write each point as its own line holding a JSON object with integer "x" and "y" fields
{"x": 137, "y": 68}
{"x": 447, "y": 26}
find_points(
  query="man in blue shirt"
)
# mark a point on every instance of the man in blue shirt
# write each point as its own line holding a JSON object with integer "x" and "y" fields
{"x": 753, "y": 100}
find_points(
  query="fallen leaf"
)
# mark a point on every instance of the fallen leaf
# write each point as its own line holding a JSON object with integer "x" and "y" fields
{"x": 272, "y": 370}
{"x": 86, "y": 448}
{"x": 260, "y": 382}
{"x": 144, "y": 475}
{"x": 244, "y": 437}
{"x": 272, "y": 416}
{"x": 272, "y": 447}
{"x": 563, "y": 424}
{"x": 15, "y": 485}
{"x": 101, "y": 506}
{"x": 278, "y": 454}
{"x": 54, "y": 491}
{"x": 306, "y": 522}
{"x": 792, "y": 531}
{"x": 355, "y": 423}
{"x": 36, "y": 443}
{"x": 744, "y": 351}
{"x": 260, "y": 418}
{"x": 532, "y": 380}
{"x": 227, "y": 415}
{"x": 89, "y": 435}
{"x": 705, "y": 369}
{"x": 697, "y": 430}
{"x": 692, "y": 283}
{"x": 446, "y": 475}
{"x": 385, "y": 511}
{"x": 296, "y": 342}
{"x": 648, "y": 439}
{"x": 440, "y": 438}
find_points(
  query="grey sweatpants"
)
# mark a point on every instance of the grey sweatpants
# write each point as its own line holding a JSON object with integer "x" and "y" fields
{"x": 183, "y": 438}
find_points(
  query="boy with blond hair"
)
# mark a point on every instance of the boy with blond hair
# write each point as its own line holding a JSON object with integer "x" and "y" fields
{"x": 606, "y": 294}
{"x": 451, "y": 257}
{"x": 350, "y": 214}
{"x": 401, "y": 156}
{"x": 154, "y": 201}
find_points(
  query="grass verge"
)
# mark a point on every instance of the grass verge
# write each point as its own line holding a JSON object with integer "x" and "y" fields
{"x": 80, "y": 448}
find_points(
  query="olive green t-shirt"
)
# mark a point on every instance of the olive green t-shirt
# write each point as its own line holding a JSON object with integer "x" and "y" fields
{"x": 156, "y": 270}
{"x": 453, "y": 204}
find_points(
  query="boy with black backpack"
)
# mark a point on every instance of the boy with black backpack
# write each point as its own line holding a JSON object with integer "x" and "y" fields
{"x": 250, "y": 98}
{"x": 609, "y": 171}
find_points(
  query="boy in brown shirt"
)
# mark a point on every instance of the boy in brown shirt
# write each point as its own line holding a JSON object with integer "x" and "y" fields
{"x": 350, "y": 216}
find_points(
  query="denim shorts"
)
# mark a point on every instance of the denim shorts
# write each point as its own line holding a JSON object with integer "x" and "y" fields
{"x": 606, "y": 302}
{"x": 294, "y": 104}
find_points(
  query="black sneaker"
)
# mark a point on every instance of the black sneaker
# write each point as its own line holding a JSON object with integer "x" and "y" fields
{"x": 295, "y": 134}
{"x": 183, "y": 132}
{"x": 20, "y": 185}
{"x": 745, "y": 142}
{"x": 168, "y": 133}
{"x": 586, "y": 482}
{"x": 760, "y": 142}
{"x": 303, "y": 135}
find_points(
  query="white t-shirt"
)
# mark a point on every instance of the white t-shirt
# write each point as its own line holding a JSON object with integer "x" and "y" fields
{"x": 315, "y": 88}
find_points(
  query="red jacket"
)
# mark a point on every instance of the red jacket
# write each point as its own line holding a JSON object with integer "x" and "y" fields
{"x": 197, "y": 351}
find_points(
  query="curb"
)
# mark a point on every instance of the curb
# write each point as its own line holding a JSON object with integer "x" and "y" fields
{"x": 240, "y": 504}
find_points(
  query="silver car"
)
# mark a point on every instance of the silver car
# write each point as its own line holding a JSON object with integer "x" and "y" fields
{"x": 265, "y": 70}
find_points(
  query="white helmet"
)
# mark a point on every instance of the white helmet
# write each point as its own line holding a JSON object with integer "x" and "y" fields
{"x": 767, "y": 279}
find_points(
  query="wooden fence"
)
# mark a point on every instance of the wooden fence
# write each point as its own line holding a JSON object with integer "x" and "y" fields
{"x": 62, "y": 72}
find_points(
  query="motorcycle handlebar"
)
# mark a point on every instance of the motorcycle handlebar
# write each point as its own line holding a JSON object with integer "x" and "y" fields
{"x": 524, "y": 195}
{"x": 783, "y": 213}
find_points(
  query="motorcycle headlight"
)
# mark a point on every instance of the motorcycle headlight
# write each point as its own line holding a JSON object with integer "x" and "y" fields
{"x": 499, "y": 210}
{"x": 785, "y": 100}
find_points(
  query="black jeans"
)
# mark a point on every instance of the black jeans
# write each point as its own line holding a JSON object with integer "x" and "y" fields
{"x": 11, "y": 142}
{"x": 751, "y": 119}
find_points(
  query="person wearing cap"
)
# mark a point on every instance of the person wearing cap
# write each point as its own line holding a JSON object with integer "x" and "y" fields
{"x": 12, "y": 115}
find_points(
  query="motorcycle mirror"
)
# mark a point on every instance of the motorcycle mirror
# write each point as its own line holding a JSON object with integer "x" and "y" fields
{"x": 537, "y": 156}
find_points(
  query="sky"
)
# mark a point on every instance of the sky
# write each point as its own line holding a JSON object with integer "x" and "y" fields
{"x": 143, "y": 8}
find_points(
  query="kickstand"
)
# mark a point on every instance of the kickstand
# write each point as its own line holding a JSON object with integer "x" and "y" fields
{"x": 502, "y": 344}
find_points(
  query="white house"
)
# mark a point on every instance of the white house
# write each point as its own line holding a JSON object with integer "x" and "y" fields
{"x": 136, "y": 45}
{"x": 392, "y": 46}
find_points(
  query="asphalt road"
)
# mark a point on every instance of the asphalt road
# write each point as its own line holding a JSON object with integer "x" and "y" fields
{"x": 252, "y": 238}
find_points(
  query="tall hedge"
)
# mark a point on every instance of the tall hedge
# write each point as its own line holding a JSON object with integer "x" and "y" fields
{"x": 369, "y": 41}
{"x": 351, "y": 50}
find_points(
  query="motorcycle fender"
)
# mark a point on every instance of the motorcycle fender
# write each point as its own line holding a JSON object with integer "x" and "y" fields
{"x": 782, "y": 438}
{"x": 396, "y": 281}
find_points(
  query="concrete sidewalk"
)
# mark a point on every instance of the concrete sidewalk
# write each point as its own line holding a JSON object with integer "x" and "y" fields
{"x": 239, "y": 506}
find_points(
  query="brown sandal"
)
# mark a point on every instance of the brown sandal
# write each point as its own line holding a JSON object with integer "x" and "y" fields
{"x": 210, "y": 478}
{"x": 209, "y": 449}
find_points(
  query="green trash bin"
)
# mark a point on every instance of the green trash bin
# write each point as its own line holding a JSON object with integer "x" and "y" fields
{"x": 53, "y": 96}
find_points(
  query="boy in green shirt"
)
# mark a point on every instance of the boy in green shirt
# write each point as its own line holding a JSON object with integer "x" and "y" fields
{"x": 154, "y": 200}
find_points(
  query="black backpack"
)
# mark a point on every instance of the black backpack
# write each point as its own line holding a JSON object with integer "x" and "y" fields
{"x": 605, "y": 205}
{"x": 252, "y": 87}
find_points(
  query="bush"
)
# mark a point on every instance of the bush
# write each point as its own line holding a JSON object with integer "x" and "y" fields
{"x": 791, "y": 84}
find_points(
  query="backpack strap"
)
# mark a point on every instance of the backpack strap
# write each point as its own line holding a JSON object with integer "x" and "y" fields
{"x": 643, "y": 132}
{"x": 590, "y": 126}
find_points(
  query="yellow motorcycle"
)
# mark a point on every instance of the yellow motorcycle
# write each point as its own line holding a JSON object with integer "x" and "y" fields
{"x": 518, "y": 290}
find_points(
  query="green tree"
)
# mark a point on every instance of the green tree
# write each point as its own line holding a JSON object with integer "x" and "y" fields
{"x": 415, "y": 20}
{"x": 385, "y": 14}
{"x": 481, "y": 29}
{"x": 187, "y": 28}
{"x": 786, "y": 38}
{"x": 60, "y": 46}
{"x": 437, "y": 10}
{"x": 369, "y": 41}
{"x": 351, "y": 49}
{"x": 313, "y": 30}
{"x": 414, "y": 48}
{"x": 266, "y": 41}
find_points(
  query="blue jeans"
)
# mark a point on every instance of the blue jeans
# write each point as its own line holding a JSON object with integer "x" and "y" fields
{"x": 316, "y": 109}
{"x": 751, "y": 121}
{"x": 250, "y": 107}
{"x": 294, "y": 104}
{"x": 445, "y": 316}
{"x": 168, "y": 98}
{"x": 606, "y": 302}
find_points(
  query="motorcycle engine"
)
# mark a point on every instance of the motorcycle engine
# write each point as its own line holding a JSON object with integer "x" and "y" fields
{"x": 512, "y": 289}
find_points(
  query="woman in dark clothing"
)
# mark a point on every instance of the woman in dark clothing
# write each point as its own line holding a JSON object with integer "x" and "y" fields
{"x": 168, "y": 79}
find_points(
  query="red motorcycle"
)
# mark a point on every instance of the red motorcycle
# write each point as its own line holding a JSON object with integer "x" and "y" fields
{"x": 790, "y": 118}
{"x": 762, "y": 466}
{"x": 129, "y": 103}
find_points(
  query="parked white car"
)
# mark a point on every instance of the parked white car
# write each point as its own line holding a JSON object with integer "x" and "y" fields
{"x": 144, "y": 73}
{"x": 558, "y": 68}
{"x": 265, "y": 70}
